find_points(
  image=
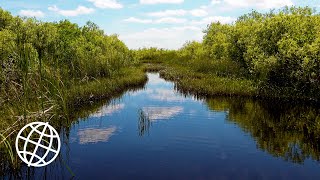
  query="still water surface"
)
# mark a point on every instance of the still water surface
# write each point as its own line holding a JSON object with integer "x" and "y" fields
{"x": 159, "y": 133}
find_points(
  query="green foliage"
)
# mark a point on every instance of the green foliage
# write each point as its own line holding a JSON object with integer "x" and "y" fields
{"x": 41, "y": 61}
{"x": 154, "y": 55}
{"x": 216, "y": 41}
{"x": 280, "y": 51}
{"x": 48, "y": 70}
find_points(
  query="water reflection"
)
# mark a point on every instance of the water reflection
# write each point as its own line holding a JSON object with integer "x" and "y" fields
{"x": 190, "y": 137}
{"x": 162, "y": 113}
{"x": 144, "y": 123}
{"x": 95, "y": 135}
{"x": 108, "y": 110}
{"x": 153, "y": 79}
{"x": 284, "y": 129}
{"x": 166, "y": 95}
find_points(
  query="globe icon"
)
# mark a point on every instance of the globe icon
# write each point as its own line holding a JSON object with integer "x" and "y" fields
{"x": 38, "y": 144}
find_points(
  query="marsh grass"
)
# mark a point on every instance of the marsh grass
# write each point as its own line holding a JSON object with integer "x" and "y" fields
{"x": 150, "y": 67}
{"x": 84, "y": 93}
{"x": 144, "y": 123}
{"x": 189, "y": 81}
{"x": 61, "y": 104}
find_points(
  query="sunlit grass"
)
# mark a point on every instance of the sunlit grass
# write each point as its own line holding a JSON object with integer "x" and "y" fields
{"x": 189, "y": 81}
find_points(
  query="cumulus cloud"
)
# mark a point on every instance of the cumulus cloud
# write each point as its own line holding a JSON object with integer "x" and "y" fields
{"x": 161, "y": 1}
{"x": 169, "y": 38}
{"x": 198, "y": 12}
{"x": 179, "y": 12}
{"x": 165, "y": 20}
{"x": 170, "y": 20}
{"x": 137, "y": 20}
{"x": 210, "y": 19}
{"x": 105, "y": 4}
{"x": 81, "y": 10}
{"x": 31, "y": 13}
{"x": 214, "y": 2}
{"x": 192, "y": 21}
{"x": 261, "y": 4}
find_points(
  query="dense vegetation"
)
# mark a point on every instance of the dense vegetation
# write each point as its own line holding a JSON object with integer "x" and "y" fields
{"x": 48, "y": 69}
{"x": 276, "y": 54}
{"x": 41, "y": 60}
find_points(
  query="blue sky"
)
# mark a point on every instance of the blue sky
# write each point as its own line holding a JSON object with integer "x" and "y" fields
{"x": 144, "y": 23}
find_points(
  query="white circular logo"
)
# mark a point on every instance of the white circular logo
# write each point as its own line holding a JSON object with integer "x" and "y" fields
{"x": 38, "y": 144}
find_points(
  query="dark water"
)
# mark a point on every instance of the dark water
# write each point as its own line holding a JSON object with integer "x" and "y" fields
{"x": 158, "y": 133}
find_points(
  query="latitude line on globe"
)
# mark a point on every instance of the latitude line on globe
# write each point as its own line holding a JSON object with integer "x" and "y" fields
{"x": 40, "y": 159}
{"x": 37, "y": 145}
{"x": 46, "y": 135}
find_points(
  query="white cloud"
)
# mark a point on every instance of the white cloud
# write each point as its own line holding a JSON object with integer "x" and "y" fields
{"x": 261, "y": 4}
{"x": 165, "y": 20}
{"x": 137, "y": 20}
{"x": 214, "y": 2}
{"x": 193, "y": 21}
{"x": 79, "y": 11}
{"x": 170, "y": 20}
{"x": 168, "y": 38}
{"x": 161, "y": 1}
{"x": 31, "y": 13}
{"x": 208, "y": 20}
{"x": 177, "y": 12}
{"x": 199, "y": 12}
{"x": 105, "y": 4}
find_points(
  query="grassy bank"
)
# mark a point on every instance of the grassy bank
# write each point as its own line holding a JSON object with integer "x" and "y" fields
{"x": 189, "y": 81}
{"x": 84, "y": 94}
{"x": 51, "y": 71}
{"x": 79, "y": 101}
{"x": 72, "y": 98}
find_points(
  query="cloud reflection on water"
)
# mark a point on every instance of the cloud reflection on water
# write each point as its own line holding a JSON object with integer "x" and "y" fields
{"x": 161, "y": 94}
{"x": 108, "y": 110}
{"x": 162, "y": 113}
{"x": 155, "y": 80}
{"x": 95, "y": 135}
{"x": 166, "y": 95}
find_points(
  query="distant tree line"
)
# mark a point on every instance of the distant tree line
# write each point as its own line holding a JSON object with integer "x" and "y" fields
{"x": 279, "y": 50}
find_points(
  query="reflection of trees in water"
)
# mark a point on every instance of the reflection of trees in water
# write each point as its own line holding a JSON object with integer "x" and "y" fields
{"x": 144, "y": 123}
{"x": 20, "y": 170}
{"x": 63, "y": 124}
{"x": 287, "y": 130}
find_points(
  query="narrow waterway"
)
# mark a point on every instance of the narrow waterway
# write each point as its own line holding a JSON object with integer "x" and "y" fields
{"x": 159, "y": 133}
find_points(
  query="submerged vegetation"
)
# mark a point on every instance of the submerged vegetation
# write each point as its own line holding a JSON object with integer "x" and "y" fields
{"x": 276, "y": 54}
